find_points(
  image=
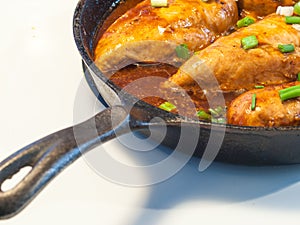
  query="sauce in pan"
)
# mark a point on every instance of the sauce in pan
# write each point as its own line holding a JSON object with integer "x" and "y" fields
{"x": 150, "y": 91}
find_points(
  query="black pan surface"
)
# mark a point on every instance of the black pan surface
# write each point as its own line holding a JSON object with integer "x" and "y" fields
{"x": 51, "y": 154}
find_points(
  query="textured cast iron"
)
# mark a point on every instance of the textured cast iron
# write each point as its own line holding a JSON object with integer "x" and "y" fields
{"x": 50, "y": 155}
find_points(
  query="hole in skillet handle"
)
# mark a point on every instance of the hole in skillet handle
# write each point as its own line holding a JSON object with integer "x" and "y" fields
{"x": 12, "y": 182}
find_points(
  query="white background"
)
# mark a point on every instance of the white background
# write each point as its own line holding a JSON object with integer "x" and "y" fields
{"x": 40, "y": 75}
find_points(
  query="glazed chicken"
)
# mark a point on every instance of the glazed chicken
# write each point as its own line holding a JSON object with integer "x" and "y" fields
{"x": 227, "y": 66}
{"x": 269, "y": 111}
{"x": 259, "y": 8}
{"x": 146, "y": 33}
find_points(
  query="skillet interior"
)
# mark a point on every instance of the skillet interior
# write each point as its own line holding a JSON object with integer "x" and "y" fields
{"x": 242, "y": 145}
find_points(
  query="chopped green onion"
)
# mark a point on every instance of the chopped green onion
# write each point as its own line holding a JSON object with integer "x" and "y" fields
{"x": 286, "y": 48}
{"x": 216, "y": 115}
{"x": 259, "y": 86}
{"x": 219, "y": 120}
{"x": 249, "y": 42}
{"x": 290, "y": 92}
{"x": 159, "y": 3}
{"x": 203, "y": 115}
{"x": 182, "y": 51}
{"x": 220, "y": 110}
{"x": 253, "y": 102}
{"x": 297, "y": 8}
{"x": 292, "y": 19}
{"x": 298, "y": 76}
{"x": 245, "y": 22}
{"x": 167, "y": 106}
{"x": 289, "y": 89}
{"x": 213, "y": 112}
{"x": 285, "y": 10}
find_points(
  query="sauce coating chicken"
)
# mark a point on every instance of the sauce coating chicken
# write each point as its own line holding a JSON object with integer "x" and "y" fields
{"x": 234, "y": 68}
{"x": 260, "y": 8}
{"x": 269, "y": 111}
{"x": 146, "y": 33}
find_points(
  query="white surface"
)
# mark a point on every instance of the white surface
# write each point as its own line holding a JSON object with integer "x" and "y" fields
{"x": 40, "y": 74}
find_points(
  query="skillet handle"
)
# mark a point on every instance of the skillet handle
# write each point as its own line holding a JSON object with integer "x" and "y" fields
{"x": 51, "y": 154}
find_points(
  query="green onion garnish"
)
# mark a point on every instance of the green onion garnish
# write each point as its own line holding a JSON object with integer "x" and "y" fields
{"x": 259, "y": 86}
{"x": 159, "y": 3}
{"x": 298, "y": 76}
{"x": 249, "y": 42}
{"x": 297, "y": 8}
{"x": 245, "y": 22}
{"x": 290, "y": 92}
{"x": 213, "y": 112}
{"x": 286, "y": 48}
{"x": 289, "y": 89}
{"x": 292, "y": 19}
{"x": 182, "y": 51}
{"x": 167, "y": 106}
{"x": 203, "y": 115}
{"x": 216, "y": 115}
{"x": 253, "y": 102}
{"x": 219, "y": 120}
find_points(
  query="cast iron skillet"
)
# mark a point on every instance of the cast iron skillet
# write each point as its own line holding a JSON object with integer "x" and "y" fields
{"x": 51, "y": 154}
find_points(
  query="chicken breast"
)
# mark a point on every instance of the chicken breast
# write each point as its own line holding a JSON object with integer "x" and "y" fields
{"x": 145, "y": 33}
{"x": 270, "y": 111}
{"x": 259, "y": 8}
{"x": 226, "y": 66}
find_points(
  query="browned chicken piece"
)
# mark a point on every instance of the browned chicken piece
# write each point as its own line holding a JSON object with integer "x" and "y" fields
{"x": 227, "y": 66}
{"x": 270, "y": 111}
{"x": 146, "y": 33}
{"x": 260, "y": 8}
